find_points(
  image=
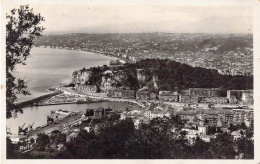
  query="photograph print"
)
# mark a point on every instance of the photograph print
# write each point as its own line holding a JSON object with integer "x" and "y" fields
{"x": 118, "y": 81}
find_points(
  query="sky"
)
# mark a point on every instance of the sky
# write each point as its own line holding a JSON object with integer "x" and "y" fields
{"x": 93, "y": 18}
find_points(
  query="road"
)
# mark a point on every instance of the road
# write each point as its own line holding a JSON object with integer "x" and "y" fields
{"x": 99, "y": 96}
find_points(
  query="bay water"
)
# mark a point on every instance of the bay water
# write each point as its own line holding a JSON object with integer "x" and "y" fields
{"x": 47, "y": 67}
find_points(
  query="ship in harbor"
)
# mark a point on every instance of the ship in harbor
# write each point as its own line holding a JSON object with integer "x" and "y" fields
{"x": 116, "y": 63}
{"x": 55, "y": 120}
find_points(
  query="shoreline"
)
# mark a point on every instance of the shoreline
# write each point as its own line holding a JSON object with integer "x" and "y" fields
{"x": 66, "y": 81}
{"x": 95, "y": 99}
{"x": 98, "y": 53}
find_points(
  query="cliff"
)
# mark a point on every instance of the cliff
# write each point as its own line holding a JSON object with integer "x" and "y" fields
{"x": 159, "y": 74}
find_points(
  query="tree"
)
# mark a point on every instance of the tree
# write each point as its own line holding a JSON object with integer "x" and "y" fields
{"x": 10, "y": 149}
{"x": 22, "y": 27}
{"x": 246, "y": 147}
{"x": 42, "y": 141}
{"x": 219, "y": 149}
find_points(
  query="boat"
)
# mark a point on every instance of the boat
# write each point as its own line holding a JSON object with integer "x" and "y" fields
{"x": 63, "y": 112}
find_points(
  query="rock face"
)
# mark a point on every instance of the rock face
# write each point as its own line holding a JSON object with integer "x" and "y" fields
{"x": 109, "y": 79}
{"x": 81, "y": 77}
{"x": 140, "y": 75}
{"x": 113, "y": 78}
{"x": 108, "y": 82}
{"x": 155, "y": 82}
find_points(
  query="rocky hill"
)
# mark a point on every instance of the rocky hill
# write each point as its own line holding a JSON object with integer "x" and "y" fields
{"x": 158, "y": 74}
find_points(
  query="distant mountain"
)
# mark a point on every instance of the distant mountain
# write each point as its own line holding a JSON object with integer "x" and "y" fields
{"x": 208, "y": 25}
{"x": 216, "y": 25}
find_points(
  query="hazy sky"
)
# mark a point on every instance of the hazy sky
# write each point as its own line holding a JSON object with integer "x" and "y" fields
{"x": 123, "y": 18}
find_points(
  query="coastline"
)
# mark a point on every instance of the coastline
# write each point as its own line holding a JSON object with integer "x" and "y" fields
{"x": 96, "y": 99}
{"x": 97, "y": 53}
{"x": 37, "y": 85}
{"x": 48, "y": 91}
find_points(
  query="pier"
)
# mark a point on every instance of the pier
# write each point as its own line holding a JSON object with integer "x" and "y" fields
{"x": 35, "y": 101}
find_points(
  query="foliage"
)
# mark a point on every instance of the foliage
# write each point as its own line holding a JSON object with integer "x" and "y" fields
{"x": 96, "y": 75}
{"x": 21, "y": 30}
{"x": 106, "y": 144}
{"x": 57, "y": 137}
{"x": 246, "y": 147}
{"x": 10, "y": 149}
{"x": 161, "y": 138}
{"x": 219, "y": 149}
{"x": 155, "y": 140}
{"x": 237, "y": 127}
{"x": 173, "y": 76}
{"x": 184, "y": 76}
{"x": 43, "y": 140}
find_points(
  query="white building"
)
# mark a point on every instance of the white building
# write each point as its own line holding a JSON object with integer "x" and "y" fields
{"x": 154, "y": 114}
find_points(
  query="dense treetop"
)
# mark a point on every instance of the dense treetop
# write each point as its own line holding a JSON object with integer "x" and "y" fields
{"x": 172, "y": 75}
{"x": 22, "y": 27}
{"x": 156, "y": 140}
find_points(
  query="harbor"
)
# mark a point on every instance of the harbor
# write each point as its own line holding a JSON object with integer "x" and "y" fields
{"x": 55, "y": 121}
{"x": 38, "y": 114}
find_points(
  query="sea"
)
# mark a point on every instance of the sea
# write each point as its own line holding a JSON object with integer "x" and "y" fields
{"x": 48, "y": 67}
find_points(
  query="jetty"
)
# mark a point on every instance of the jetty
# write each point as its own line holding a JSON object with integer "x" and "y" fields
{"x": 35, "y": 101}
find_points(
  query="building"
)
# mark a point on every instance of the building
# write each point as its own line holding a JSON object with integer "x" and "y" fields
{"x": 249, "y": 119}
{"x": 153, "y": 96}
{"x": 137, "y": 122}
{"x": 116, "y": 93}
{"x": 145, "y": 95}
{"x": 238, "y": 117}
{"x": 99, "y": 113}
{"x": 86, "y": 88}
{"x": 121, "y": 93}
{"x": 107, "y": 86}
{"x": 195, "y": 99}
{"x": 243, "y": 116}
{"x": 185, "y": 98}
{"x": 191, "y": 136}
{"x": 156, "y": 113}
{"x": 186, "y": 115}
{"x": 142, "y": 95}
{"x": 216, "y": 100}
{"x": 168, "y": 96}
{"x": 238, "y": 93}
{"x": 207, "y": 138}
{"x": 197, "y": 95}
{"x": 208, "y": 117}
{"x": 128, "y": 94}
{"x": 211, "y": 119}
{"x": 247, "y": 98}
{"x": 204, "y": 92}
{"x": 229, "y": 117}
{"x": 232, "y": 100}
{"x": 202, "y": 129}
{"x": 238, "y": 134}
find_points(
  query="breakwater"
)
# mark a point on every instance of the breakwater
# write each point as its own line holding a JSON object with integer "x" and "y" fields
{"x": 36, "y": 100}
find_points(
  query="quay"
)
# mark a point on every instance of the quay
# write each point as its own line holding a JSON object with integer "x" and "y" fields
{"x": 55, "y": 126}
{"x": 35, "y": 101}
